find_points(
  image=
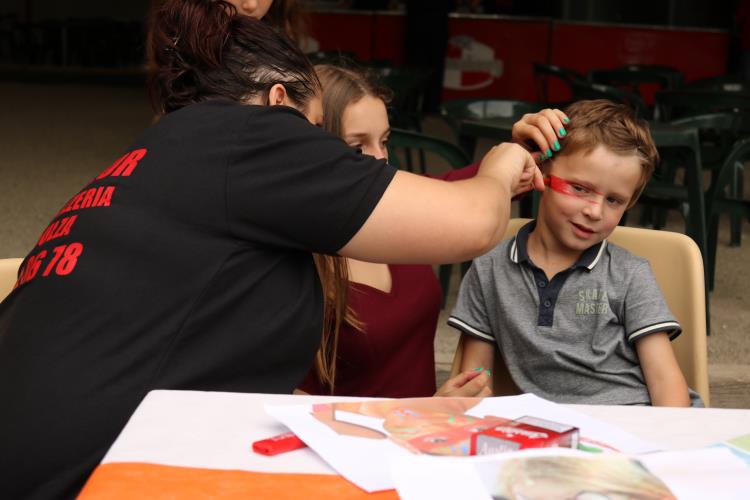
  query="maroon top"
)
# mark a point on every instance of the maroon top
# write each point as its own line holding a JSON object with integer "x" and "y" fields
{"x": 394, "y": 355}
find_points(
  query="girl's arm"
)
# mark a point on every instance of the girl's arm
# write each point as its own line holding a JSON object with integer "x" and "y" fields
{"x": 478, "y": 356}
{"x": 467, "y": 384}
{"x": 664, "y": 380}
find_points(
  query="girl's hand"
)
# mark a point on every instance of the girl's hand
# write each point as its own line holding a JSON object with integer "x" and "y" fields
{"x": 541, "y": 132}
{"x": 468, "y": 384}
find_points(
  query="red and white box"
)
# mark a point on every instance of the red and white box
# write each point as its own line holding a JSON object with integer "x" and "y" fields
{"x": 523, "y": 433}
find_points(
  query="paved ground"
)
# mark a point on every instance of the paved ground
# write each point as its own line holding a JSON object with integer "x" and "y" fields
{"x": 53, "y": 139}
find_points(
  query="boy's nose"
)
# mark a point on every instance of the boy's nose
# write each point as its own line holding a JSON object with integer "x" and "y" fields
{"x": 593, "y": 210}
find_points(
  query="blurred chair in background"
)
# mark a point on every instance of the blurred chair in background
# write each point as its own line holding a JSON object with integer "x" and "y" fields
{"x": 8, "y": 275}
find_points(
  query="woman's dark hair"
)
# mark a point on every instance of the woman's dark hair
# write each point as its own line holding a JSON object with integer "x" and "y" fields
{"x": 202, "y": 49}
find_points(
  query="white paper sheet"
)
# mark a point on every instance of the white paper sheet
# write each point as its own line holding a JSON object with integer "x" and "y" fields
{"x": 366, "y": 460}
{"x": 687, "y": 475}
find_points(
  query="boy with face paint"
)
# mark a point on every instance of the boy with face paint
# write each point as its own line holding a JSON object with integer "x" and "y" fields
{"x": 578, "y": 319}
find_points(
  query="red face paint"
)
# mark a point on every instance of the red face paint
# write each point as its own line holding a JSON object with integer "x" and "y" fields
{"x": 562, "y": 186}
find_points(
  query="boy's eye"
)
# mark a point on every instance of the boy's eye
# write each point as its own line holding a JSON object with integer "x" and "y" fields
{"x": 578, "y": 188}
{"x": 614, "y": 201}
{"x": 357, "y": 148}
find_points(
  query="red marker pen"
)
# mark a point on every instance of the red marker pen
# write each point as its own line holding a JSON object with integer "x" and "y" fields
{"x": 278, "y": 444}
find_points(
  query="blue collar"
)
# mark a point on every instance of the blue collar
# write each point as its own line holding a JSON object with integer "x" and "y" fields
{"x": 518, "y": 249}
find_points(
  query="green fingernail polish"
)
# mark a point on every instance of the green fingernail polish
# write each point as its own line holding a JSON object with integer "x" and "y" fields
{"x": 543, "y": 157}
{"x": 566, "y": 120}
{"x": 562, "y": 132}
{"x": 489, "y": 372}
{"x": 479, "y": 369}
{"x": 556, "y": 146}
{"x": 549, "y": 153}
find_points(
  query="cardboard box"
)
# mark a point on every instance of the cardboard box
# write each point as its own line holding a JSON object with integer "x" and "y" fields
{"x": 523, "y": 433}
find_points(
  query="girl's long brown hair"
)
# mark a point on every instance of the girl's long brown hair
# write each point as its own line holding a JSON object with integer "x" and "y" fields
{"x": 334, "y": 277}
{"x": 341, "y": 87}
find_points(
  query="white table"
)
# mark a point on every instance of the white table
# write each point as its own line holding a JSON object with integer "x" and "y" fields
{"x": 214, "y": 431}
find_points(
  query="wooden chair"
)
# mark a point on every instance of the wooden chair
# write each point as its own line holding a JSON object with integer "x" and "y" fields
{"x": 8, "y": 275}
{"x": 678, "y": 267}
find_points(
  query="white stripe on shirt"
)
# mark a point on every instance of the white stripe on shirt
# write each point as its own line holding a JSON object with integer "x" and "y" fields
{"x": 457, "y": 323}
{"x": 672, "y": 327}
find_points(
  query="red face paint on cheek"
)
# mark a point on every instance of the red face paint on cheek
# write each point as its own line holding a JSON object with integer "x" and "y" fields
{"x": 562, "y": 186}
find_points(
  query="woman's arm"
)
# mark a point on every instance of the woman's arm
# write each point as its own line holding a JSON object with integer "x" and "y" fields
{"x": 438, "y": 222}
{"x": 664, "y": 380}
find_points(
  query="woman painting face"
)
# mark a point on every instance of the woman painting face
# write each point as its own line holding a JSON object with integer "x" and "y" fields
{"x": 252, "y": 8}
{"x": 365, "y": 126}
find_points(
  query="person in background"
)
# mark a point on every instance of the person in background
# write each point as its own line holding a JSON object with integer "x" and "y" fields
{"x": 386, "y": 338}
{"x": 286, "y": 15}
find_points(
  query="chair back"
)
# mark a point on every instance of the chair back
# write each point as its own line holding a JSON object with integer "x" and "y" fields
{"x": 720, "y": 199}
{"x": 586, "y": 90}
{"x": 545, "y": 74}
{"x": 674, "y": 104}
{"x": 408, "y": 86}
{"x": 634, "y": 75}
{"x": 8, "y": 275}
{"x": 678, "y": 267}
{"x": 723, "y": 83}
{"x": 456, "y": 110}
{"x": 408, "y": 140}
{"x": 717, "y": 132}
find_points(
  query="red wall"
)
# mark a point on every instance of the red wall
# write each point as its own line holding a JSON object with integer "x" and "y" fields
{"x": 696, "y": 54}
{"x": 492, "y": 57}
{"x": 344, "y": 32}
{"x": 514, "y": 46}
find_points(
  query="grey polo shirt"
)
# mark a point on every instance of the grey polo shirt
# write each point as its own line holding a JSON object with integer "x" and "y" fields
{"x": 569, "y": 339}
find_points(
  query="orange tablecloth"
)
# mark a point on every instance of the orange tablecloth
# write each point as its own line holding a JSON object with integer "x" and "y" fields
{"x": 126, "y": 481}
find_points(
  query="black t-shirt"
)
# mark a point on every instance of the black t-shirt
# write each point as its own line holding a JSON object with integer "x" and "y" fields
{"x": 186, "y": 264}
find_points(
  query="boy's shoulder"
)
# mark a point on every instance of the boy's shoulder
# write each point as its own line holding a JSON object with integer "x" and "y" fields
{"x": 622, "y": 258}
{"x": 498, "y": 255}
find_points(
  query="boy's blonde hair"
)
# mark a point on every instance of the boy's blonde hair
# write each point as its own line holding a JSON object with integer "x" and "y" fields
{"x": 615, "y": 126}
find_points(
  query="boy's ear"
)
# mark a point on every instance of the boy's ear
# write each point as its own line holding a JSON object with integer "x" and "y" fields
{"x": 277, "y": 95}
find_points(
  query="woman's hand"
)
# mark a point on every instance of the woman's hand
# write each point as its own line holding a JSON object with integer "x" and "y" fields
{"x": 515, "y": 165}
{"x": 541, "y": 132}
{"x": 468, "y": 384}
